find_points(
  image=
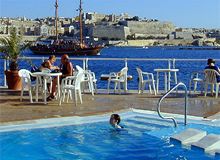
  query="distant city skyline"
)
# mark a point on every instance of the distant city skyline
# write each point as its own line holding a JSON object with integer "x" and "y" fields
{"x": 182, "y": 13}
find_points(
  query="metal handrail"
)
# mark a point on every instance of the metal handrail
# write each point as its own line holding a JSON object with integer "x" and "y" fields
{"x": 171, "y": 62}
{"x": 165, "y": 95}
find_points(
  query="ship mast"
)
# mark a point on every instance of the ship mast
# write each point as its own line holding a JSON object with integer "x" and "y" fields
{"x": 56, "y": 18}
{"x": 80, "y": 24}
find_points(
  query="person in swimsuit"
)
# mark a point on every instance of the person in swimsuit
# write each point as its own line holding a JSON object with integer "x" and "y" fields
{"x": 115, "y": 120}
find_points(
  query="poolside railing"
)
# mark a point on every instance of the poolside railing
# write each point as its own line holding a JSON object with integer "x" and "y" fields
{"x": 109, "y": 66}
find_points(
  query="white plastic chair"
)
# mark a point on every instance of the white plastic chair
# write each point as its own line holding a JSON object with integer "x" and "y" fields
{"x": 26, "y": 83}
{"x": 79, "y": 69}
{"x": 88, "y": 79}
{"x": 210, "y": 78}
{"x": 149, "y": 79}
{"x": 72, "y": 85}
{"x": 93, "y": 79}
{"x": 195, "y": 78}
{"x": 118, "y": 78}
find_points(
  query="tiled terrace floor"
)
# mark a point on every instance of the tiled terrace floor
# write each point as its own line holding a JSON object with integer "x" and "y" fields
{"x": 11, "y": 109}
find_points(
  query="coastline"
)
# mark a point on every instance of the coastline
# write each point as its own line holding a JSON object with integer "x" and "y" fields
{"x": 210, "y": 42}
{"x": 152, "y": 42}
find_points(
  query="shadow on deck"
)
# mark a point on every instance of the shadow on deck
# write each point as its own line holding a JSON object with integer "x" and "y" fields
{"x": 11, "y": 109}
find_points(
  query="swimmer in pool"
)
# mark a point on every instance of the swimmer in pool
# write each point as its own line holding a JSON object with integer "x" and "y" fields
{"x": 115, "y": 120}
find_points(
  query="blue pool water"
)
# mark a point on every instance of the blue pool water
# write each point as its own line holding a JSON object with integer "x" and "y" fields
{"x": 103, "y": 67}
{"x": 143, "y": 137}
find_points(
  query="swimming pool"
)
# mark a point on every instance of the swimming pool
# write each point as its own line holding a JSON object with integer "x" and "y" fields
{"x": 145, "y": 136}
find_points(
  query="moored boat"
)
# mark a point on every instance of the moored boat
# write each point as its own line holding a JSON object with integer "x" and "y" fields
{"x": 65, "y": 47}
{"x": 62, "y": 46}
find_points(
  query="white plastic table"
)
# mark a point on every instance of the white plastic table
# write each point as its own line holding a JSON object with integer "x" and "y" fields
{"x": 45, "y": 77}
{"x": 167, "y": 74}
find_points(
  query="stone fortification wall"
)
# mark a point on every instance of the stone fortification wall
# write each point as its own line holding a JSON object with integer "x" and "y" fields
{"x": 114, "y": 32}
{"x": 156, "y": 42}
{"x": 140, "y": 42}
{"x": 143, "y": 27}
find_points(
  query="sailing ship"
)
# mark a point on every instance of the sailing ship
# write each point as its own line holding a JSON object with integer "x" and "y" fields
{"x": 66, "y": 46}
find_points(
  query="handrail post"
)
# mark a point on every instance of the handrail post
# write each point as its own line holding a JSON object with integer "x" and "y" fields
{"x": 185, "y": 111}
{"x": 126, "y": 78}
{"x": 5, "y": 67}
{"x": 126, "y": 62}
{"x": 84, "y": 63}
{"x": 169, "y": 65}
{"x": 43, "y": 59}
{"x": 174, "y": 63}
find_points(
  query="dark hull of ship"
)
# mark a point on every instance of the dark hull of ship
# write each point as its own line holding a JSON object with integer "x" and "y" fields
{"x": 90, "y": 51}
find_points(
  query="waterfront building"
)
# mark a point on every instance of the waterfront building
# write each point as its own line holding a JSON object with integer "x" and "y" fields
{"x": 108, "y": 27}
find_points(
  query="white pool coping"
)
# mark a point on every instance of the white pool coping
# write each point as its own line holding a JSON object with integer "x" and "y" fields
{"x": 77, "y": 120}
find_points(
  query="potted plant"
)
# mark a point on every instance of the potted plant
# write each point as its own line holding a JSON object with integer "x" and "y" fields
{"x": 11, "y": 48}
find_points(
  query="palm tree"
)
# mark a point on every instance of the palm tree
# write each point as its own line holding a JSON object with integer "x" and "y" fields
{"x": 11, "y": 48}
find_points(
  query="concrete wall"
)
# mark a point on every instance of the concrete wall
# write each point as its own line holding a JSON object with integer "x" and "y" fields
{"x": 183, "y": 35}
{"x": 117, "y": 32}
{"x": 149, "y": 27}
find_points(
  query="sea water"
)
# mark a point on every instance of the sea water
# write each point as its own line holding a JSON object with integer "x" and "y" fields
{"x": 105, "y": 67}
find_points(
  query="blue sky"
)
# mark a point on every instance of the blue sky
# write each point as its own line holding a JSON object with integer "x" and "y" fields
{"x": 183, "y": 13}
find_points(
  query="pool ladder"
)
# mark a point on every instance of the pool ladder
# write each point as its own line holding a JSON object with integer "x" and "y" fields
{"x": 165, "y": 95}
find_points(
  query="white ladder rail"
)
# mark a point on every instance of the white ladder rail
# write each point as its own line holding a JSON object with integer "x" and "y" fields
{"x": 165, "y": 95}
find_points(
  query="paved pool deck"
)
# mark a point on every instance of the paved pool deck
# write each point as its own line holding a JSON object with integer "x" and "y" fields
{"x": 12, "y": 110}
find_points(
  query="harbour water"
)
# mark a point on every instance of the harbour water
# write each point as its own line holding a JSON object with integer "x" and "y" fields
{"x": 104, "y": 67}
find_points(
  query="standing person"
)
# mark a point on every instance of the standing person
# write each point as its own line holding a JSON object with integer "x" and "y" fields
{"x": 66, "y": 68}
{"x": 211, "y": 65}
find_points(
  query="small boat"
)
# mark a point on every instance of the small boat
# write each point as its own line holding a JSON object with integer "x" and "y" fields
{"x": 146, "y": 47}
{"x": 62, "y": 46}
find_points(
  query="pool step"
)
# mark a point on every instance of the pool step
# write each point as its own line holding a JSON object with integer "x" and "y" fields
{"x": 199, "y": 140}
{"x": 188, "y": 136}
{"x": 209, "y": 143}
{"x": 140, "y": 124}
{"x": 154, "y": 121}
{"x": 139, "y": 127}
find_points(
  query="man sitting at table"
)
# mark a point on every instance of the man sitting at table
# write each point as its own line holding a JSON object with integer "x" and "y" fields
{"x": 66, "y": 68}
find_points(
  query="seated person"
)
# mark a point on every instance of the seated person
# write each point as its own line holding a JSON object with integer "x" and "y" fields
{"x": 211, "y": 65}
{"x": 49, "y": 63}
{"x": 115, "y": 120}
{"x": 66, "y": 69}
{"x": 44, "y": 65}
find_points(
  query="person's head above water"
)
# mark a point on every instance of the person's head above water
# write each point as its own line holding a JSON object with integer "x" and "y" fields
{"x": 115, "y": 120}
